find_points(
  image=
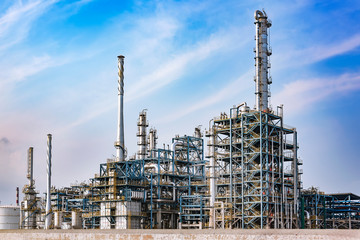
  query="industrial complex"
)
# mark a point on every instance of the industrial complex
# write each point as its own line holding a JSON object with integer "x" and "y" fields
{"x": 243, "y": 172}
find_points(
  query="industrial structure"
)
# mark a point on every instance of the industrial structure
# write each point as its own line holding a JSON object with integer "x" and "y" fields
{"x": 254, "y": 169}
{"x": 249, "y": 178}
{"x": 329, "y": 211}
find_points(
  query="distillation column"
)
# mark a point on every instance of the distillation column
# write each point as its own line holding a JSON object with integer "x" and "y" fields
{"x": 211, "y": 150}
{"x": 48, "y": 203}
{"x": 152, "y": 140}
{"x": 141, "y": 134}
{"x": 29, "y": 205}
{"x": 262, "y": 65}
{"x": 120, "y": 142}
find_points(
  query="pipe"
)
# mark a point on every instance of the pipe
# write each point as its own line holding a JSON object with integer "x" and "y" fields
{"x": 174, "y": 192}
{"x": 120, "y": 142}
{"x": 152, "y": 165}
{"x": 259, "y": 14}
{"x": 242, "y": 104}
{"x": 17, "y": 196}
{"x": 173, "y": 146}
{"x": 197, "y": 132}
{"x": 308, "y": 218}
{"x": 262, "y": 54}
{"x": 48, "y": 203}
{"x": 211, "y": 146}
{"x": 30, "y": 167}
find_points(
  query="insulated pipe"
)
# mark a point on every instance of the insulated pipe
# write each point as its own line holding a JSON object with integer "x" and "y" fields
{"x": 308, "y": 218}
{"x": 262, "y": 54}
{"x": 48, "y": 203}
{"x": 120, "y": 142}
{"x": 174, "y": 192}
{"x": 173, "y": 146}
{"x": 152, "y": 165}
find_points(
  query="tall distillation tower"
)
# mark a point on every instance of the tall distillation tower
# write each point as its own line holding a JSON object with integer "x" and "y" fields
{"x": 29, "y": 206}
{"x": 262, "y": 53}
{"x": 254, "y": 178}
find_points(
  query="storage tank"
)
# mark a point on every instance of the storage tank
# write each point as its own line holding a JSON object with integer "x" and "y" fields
{"x": 9, "y": 217}
{"x": 58, "y": 219}
{"x": 75, "y": 220}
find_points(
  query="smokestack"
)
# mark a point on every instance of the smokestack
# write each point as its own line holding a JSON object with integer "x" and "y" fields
{"x": 262, "y": 65}
{"x": 17, "y": 196}
{"x": 120, "y": 142}
{"x": 48, "y": 203}
{"x": 30, "y": 166}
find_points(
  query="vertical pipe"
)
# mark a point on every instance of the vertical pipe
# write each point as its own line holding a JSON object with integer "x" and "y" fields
{"x": 242, "y": 170}
{"x": 231, "y": 159}
{"x": 261, "y": 172}
{"x": 17, "y": 196}
{"x": 30, "y": 166}
{"x": 262, "y": 54}
{"x": 211, "y": 146}
{"x": 120, "y": 142}
{"x": 48, "y": 204}
{"x": 302, "y": 217}
{"x": 296, "y": 173}
{"x": 151, "y": 200}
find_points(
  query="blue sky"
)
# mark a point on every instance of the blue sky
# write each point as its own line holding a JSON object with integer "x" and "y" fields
{"x": 185, "y": 61}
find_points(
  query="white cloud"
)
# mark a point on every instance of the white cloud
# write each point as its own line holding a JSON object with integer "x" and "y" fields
{"x": 15, "y": 73}
{"x": 304, "y": 94}
{"x": 315, "y": 53}
{"x": 227, "y": 92}
{"x": 169, "y": 71}
{"x": 16, "y": 22}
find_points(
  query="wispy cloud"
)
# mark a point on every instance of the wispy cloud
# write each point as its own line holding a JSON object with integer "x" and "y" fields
{"x": 315, "y": 53}
{"x": 169, "y": 71}
{"x": 15, "y": 73}
{"x": 16, "y": 21}
{"x": 227, "y": 92}
{"x": 303, "y": 94}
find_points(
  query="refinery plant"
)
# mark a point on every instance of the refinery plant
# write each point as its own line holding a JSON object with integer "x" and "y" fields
{"x": 243, "y": 172}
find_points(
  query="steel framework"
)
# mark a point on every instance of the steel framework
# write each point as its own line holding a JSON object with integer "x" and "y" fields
{"x": 256, "y": 170}
{"x": 330, "y": 211}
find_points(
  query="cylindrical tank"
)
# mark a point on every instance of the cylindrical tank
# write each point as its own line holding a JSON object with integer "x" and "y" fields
{"x": 9, "y": 217}
{"x": 75, "y": 220}
{"x": 58, "y": 219}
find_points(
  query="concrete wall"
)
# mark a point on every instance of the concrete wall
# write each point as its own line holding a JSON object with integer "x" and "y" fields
{"x": 179, "y": 234}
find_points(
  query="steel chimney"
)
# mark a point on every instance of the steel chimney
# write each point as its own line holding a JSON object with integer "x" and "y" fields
{"x": 48, "y": 201}
{"x": 120, "y": 142}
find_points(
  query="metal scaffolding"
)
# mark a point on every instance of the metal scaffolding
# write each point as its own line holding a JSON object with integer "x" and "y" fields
{"x": 256, "y": 171}
{"x": 329, "y": 211}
